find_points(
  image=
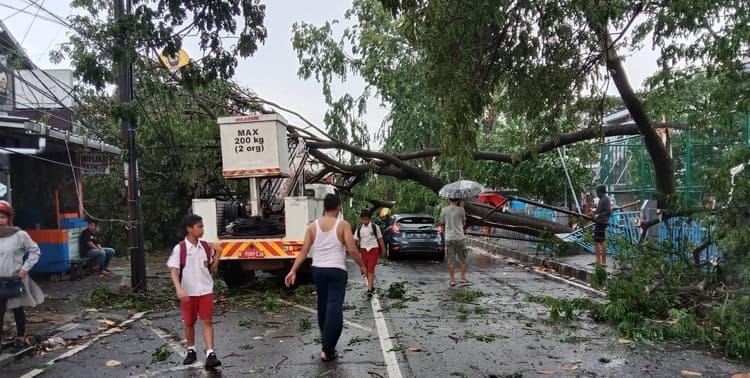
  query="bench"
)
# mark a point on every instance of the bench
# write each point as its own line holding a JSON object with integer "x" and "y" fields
{"x": 78, "y": 267}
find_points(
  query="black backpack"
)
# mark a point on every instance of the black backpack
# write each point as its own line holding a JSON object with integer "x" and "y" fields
{"x": 374, "y": 231}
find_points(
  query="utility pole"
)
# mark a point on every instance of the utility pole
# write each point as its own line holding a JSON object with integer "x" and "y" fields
{"x": 125, "y": 85}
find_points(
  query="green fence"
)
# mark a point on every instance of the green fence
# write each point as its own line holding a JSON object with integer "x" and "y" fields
{"x": 627, "y": 170}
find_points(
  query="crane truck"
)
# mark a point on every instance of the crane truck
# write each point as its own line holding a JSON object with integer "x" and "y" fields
{"x": 265, "y": 231}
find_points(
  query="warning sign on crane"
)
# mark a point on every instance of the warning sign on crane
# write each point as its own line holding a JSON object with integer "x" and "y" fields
{"x": 254, "y": 146}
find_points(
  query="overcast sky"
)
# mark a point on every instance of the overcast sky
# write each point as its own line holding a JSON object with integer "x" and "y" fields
{"x": 272, "y": 72}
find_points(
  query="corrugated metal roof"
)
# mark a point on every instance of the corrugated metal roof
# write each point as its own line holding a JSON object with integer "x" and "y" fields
{"x": 31, "y": 127}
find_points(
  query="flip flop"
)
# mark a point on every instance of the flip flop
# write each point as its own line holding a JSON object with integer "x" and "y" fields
{"x": 604, "y": 266}
{"x": 591, "y": 264}
{"x": 452, "y": 283}
{"x": 465, "y": 282}
{"x": 330, "y": 358}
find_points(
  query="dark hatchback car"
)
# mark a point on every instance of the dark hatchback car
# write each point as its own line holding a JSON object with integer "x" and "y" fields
{"x": 414, "y": 235}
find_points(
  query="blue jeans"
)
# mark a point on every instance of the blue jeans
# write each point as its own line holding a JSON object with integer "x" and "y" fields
{"x": 330, "y": 284}
{"x": 104, "y": 255}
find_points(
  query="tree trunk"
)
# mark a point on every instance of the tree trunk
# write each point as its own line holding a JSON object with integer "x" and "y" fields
{"x": 663, "y": 164}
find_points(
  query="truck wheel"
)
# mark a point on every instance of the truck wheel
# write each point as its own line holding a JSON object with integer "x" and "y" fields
{"x": 304, "y": 274}
{"x": 233, "y": 274}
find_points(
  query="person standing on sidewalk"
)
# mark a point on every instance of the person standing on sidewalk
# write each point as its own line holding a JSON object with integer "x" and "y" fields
{"x": 601, "y": 221}
{"x": 453, "y": 217}
{"x": 371, "y": 246}
{"x": 191, "y": 264}
{"x": 328, "y": 239}
{"x": 90, "y": 245}
{"x": 18, "y": 255}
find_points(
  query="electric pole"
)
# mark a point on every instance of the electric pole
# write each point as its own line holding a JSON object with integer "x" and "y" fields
{"x": 125, "y": 85}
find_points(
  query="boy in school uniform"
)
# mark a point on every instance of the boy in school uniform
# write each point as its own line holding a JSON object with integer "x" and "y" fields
{"x": 371, "y": 246}
{"x": 191, "y": 263}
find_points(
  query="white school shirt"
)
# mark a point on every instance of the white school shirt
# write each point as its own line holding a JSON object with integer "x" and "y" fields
{"x": 196, "y": 278}
{"x": 369, "y": 241}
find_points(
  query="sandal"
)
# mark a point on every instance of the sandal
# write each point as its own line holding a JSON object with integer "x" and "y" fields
{"x": 464, "y": 281}
{"x": 452, "y": 283}
{"x": 330, "y": 358}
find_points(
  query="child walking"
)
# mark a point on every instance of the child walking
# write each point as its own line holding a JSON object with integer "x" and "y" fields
{"x": 191, "y": 264}
{"x": 371, "y": 246}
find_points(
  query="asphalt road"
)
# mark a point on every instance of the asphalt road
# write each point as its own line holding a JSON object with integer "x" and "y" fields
{"x": 488, "y": 328}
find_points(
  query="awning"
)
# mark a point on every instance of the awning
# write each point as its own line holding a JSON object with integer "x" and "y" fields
{"x": 28, "y": 127}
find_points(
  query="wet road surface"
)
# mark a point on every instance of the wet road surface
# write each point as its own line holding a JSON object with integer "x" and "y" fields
{"x": 488, "y": 328}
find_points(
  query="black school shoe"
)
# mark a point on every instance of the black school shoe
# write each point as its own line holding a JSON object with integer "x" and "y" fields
{"x": 190, "y": 358}
{"x": 212, "y": 361}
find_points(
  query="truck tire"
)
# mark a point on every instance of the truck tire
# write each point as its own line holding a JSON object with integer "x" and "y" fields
{"x": 304, "y": 275}
{"x": 233, "y": 274}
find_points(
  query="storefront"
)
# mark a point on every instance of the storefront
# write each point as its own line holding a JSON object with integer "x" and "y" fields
{"x": 40, "y": 175}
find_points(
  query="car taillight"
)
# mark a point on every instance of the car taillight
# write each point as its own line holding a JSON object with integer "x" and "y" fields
{"x": 440, "y": 229}
{"x": 396, "y": 229}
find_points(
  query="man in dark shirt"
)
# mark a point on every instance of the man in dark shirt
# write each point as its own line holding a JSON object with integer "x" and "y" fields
{"x": 601, "y": 221}
{"x": 90, "y": 246}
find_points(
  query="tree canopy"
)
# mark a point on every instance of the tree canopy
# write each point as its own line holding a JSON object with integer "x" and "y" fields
{"x": 540, "y": 58}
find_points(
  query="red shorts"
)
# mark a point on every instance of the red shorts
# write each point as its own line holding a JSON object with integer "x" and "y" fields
{"x": 192, "y": 307}
{"x": 370, "y": 258}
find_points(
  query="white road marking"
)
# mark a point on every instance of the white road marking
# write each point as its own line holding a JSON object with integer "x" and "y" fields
{"x": 167, "y": 338}
{"x": 313, "y": 311}
{"x": 197, "y": 366}
{"x": 81, "y": 347}
{"x": 391, "y": 361}
{"x": 547, "y": 275}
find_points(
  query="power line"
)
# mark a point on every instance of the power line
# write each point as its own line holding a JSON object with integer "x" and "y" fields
{"x": 17, "y": 12}
{"x": 51, "y": 42}
{"x": 10, "y": 150}
{"x": 22, "y": 10}
{"x": 54, "y": 15}
{"x": 72, "y": 124}
{"x": 31, "y": 24}
{"x": 49, "y": 96}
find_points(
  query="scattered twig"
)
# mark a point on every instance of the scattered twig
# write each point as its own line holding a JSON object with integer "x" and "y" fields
{"x": 282, "y": 361}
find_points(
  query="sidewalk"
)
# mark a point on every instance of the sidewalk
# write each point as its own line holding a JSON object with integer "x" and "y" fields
{"x": 573, "y": 266}
{"x": 67, "y": 319}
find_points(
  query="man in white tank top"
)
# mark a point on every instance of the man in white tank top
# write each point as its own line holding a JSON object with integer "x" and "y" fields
{"x": 327, "y": 240}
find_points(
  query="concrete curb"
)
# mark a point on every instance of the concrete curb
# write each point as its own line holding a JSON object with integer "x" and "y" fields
{"x": 562, "y": 270}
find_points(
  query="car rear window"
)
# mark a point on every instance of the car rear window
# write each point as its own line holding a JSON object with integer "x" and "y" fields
{"x": 416, "y": 220}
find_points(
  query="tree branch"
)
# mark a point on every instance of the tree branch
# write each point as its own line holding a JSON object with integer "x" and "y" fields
{"x": 562, "y": 140}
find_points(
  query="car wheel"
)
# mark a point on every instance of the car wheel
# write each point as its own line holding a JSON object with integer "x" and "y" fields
{"x": 390, "y": 255}
{"x": 439, "y": 256}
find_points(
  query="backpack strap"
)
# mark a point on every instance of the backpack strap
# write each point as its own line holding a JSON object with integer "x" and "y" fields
{"x": 209, "y": 252}
{"x": 183, "y": 257}
{"x": 183, "y": 254}
{"x": 374, "y": 230}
